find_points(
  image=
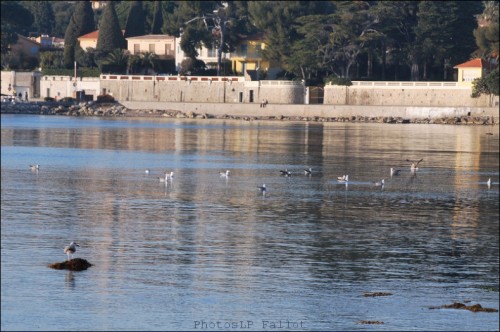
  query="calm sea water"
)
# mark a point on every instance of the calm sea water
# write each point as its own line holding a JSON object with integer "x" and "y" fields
{"x": 203, "y": 252}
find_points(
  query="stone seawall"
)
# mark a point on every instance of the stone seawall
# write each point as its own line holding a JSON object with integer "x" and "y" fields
{"x": 248, "y": 112}
{"x": 408, "y": 113}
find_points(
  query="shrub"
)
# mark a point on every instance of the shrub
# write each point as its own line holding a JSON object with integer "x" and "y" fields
{"x": 105, "y": 99}
{"x": 334, "y": 80}
{"x": 486, "y": 85}
{"x": 67, "y": 100}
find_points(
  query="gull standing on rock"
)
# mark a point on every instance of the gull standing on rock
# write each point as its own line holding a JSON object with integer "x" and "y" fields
{"x": 70, "y": 250}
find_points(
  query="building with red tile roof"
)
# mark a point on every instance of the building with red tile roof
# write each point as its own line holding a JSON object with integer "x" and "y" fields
{"x": 470, "y": 70}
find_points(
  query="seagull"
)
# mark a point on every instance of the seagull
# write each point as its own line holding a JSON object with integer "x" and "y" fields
{"x": 286, "y": 172}
{"x": 262, "y": 189}
{"x": 488, "y": 183}
{"x": 147, "y": 171}
{"x": 414, "y": 164}
{"x": 169, "y": 176}
{"x": 343, "y": 178}
{"x": 225, "y": 174}
{"x": 308, "y": 171}
{"x": 380, "y": 183}
{"x": 35, "y": 167}
{"x": 70, "y": 250}
{"x": 395, "y": 171}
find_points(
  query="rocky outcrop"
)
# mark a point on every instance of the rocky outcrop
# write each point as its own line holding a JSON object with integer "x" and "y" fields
{"x": 75, "y": 264}
{"x": 116, "y": 110}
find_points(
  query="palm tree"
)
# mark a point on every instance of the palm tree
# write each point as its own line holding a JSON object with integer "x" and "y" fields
{"x": 148, "y": 61}
{"x": 117, "y": 60}
{"x": 134, "y": 62}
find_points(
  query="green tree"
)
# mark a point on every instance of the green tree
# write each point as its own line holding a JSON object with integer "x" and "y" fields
{"x": 486, "y": 33}
{"x": 110, "y": 34}
{"x": 14, "y": 18}
{"x": 43, "y": 16}
{"x": 81, "y": 23}
{"x": 157, "y": 24}
{"x": 486, "y": 85}
{"x": 115, "y": 61}
{"x": 148, "y": 61}
{"x": 135, "y": 20}
{"x": 212, "y": 24}
{"x": 63, "y": 11}
{"x": 51, "y": 59}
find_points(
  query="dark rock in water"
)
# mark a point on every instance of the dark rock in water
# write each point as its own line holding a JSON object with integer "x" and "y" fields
{"x": 377, "y": 294}
{"x": 458, "y": 305}
{"x": 76, "y": 264}
{"x": 370, "y": 322}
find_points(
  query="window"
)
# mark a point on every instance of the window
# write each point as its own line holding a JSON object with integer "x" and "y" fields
{"x": 169, "y": 49}
{"x": 152, "y": 48}
{"x": 137, "y": 48}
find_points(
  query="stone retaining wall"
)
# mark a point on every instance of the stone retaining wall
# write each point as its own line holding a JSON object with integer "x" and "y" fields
{"x": 235, "y": 111}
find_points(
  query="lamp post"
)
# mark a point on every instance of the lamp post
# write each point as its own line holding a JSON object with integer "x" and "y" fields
{"x": 74, "y": 81}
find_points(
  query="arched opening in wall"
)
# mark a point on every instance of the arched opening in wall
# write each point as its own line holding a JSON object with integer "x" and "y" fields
{"x": 316, "y": 94}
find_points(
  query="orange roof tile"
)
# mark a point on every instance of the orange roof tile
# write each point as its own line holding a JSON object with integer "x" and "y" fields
{"x": 93, "y": 35}
{"x": 474, "y": 63}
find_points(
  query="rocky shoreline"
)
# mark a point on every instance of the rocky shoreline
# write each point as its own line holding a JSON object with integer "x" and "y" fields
{"x": 117, "y": 110}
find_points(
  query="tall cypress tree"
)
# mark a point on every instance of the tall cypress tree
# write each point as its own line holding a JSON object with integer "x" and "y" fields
{"x": 81, "y": 23}
{"x": 135, "y": 20}
{"x": 157, "y": 19}
{"x": 110, "y": 33}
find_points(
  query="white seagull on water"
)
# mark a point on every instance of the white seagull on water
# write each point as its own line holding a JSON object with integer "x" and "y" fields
{"x": 262, "y": 189}
{"x": 35, "y": 167}
{"x": 225, "y": 174}
{"x": 286, "y": 172}
{"x": 343, "y": 178}
{"x": 168, "y": 176}
{"x": 414, "y": 164}
{"x": 70, "y": 250}
{"x": 488, "y": 183}
{"x": 395, "y": 171}
{"x": 308, "y": 171}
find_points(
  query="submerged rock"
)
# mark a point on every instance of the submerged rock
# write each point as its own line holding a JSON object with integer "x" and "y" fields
{"x": 377, "y": 294}
{"x": 370, "y": 322}
{"x": 75, "y": 264}
{"x": 458, "y": 305}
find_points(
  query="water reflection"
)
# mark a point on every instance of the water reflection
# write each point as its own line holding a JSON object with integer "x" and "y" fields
{"x": 206, "y": 240}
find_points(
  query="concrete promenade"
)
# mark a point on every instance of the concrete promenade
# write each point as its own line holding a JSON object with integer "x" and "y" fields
{"x": 324, "y": 111}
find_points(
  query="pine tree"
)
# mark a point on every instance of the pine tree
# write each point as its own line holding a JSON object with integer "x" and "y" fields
{"x": 43, "y": 16}
{"x": 135, "y": 20}
{"x": 110, "y": 34}
{"x": 81, "y": 23}
{"x": 157, "y": 19}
